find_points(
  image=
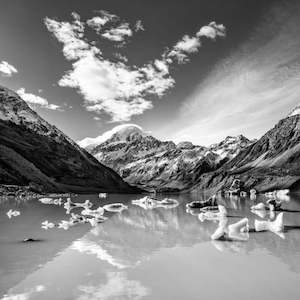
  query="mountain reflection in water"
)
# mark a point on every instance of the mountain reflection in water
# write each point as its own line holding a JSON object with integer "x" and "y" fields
{"x": 150, "y": 254}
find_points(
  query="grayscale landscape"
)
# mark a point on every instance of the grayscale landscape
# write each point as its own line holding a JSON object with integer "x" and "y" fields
{"x": 149, "y": 150}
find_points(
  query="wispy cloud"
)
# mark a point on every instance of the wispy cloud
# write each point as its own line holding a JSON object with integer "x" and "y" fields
{"x": 253, "y": 88}
{"x": 7, "y": 69}
{"x": 35, "y": 101}
{"x": 114, "y": 87}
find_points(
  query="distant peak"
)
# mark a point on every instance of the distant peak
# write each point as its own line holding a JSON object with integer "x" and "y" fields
{"x": 121, "y": 132}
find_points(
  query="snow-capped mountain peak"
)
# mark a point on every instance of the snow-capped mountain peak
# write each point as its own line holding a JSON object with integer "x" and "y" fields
{"x": 120, "y": 133}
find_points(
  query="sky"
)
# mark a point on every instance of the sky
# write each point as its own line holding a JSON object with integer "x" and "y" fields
{"x": 181, "y": 70}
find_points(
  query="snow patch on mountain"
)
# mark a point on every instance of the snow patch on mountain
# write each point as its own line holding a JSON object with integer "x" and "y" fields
{"x": 121, "y": 131}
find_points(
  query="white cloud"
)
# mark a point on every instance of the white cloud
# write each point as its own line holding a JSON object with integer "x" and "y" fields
{"x": 7, "y": 69}
{"x": 98, "y": 22}
{"x": 115, "y": 88}
{"x": 36, "y": 101}
{"x": 212, "y": 30}
{"x": 139, "y": 26}
{"x": 119, "y": 33}
{"x": 106, "y": 135}
{"x": 184, "y": 47}
{"x": 188, "y": 44}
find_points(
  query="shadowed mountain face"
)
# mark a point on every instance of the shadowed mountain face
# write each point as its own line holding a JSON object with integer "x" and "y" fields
{"x": 152, "y": 164}
{"x": 270, "y": 163}
{"x": 33, "y": 152}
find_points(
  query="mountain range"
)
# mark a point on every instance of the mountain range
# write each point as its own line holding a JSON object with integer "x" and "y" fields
{"x": 271, "y": 162}
{"x": 162, "y": 166}
{"x": 36, "y": 154}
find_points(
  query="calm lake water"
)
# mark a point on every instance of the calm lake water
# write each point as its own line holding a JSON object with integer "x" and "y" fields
{"x": 146, "y": 254}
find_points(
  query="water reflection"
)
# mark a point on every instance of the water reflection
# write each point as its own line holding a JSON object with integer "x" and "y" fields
{"x": 125, "y": 257}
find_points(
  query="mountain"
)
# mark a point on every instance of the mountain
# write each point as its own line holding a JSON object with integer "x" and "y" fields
{"x": 272, "y": 162}
{"x": 163, "y": 166}
{"x": 35, "y": 153}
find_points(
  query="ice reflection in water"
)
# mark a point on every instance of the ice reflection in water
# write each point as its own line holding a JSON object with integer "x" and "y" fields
{"x": 156, "y": 253}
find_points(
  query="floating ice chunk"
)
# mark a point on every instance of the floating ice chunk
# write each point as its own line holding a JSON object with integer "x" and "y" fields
{"x": 115, "y": 207}
{"x": 274, "y": 226}
{"x": 69, "y": 205}
{"x": 12, "y": 213}
{"x": 46, "y": 200}
{"x": 212, "y": 215}
{"x": 221, "y": 229}
{"x": 238, "y": 227}
{"x": 146, "y": 202}
{"x": 96, "y": 212}
{"x": 102, "y": 195}
{"x": 65, "y": 224}
{"x": 47, "y": 225}
{"x": 259, "y": 206}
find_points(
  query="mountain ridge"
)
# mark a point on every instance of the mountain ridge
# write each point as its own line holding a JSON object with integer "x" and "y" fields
{"x": 36, "y": 153}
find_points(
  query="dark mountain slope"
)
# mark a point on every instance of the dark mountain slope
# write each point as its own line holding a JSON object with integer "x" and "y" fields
{"x": 34, "y": 152}
{"x": 273, "y": 162}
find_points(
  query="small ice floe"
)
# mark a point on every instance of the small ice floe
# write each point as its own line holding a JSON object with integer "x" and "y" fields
{"x": 253, "y": 192}
{"x": 56, "y": 201}
{"x": 47, "y": 225}
{"x": 275, "y": 226}
{"x": 46, "y": 200}
{"x": 150, "y": 203}
{"x": 95, "y": 221}
{"x": 207, "y": 214}
{"x": 115, "y": 207}
{"x": 221, "y": 229}
{"x": 75, "y": 218}
{"x": 146, "y": 202}
{"x": 252, "y": 197}
{"x": 12, "y": 213}
{"x": 65, "y": 224}
{"x": 102, "y": 195}
{"x": 236, "y": 232}
{"x": 69, "y": 205}
{"x": 200, "y": 204}
{"x": 93, "y": 212}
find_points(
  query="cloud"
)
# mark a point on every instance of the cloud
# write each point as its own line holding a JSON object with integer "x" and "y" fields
{"x": 36, "y": 101}
{"x": 119, "y": 33}
{"x": 98, "y": 22}
{"x": 7, "y": 69}
{"x": 184, "y": 47}
{"x": 212, "y": 31}
{"x": 249, "y": 91}
{"x": 114, "y": 87}
{"x": 106, "y": 135}
{"x": 139, "y": 26}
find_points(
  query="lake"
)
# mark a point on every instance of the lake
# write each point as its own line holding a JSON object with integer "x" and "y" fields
{"x": 160, "y": 253}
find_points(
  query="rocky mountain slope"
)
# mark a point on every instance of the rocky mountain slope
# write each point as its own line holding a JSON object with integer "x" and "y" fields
{"x": 35, "y": 153}
{"x": 272, "y": 162}
{"x": 152, "y": 164}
